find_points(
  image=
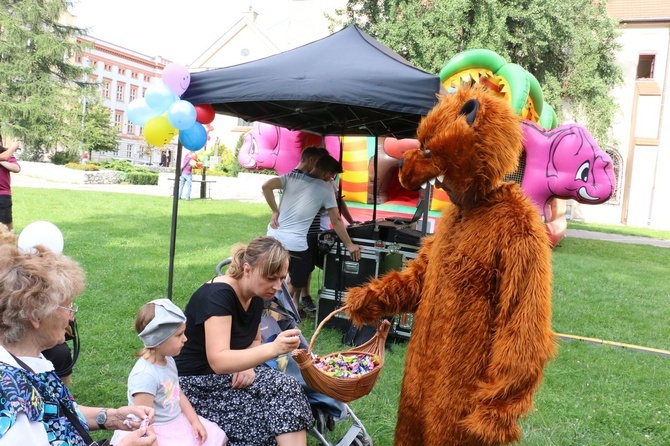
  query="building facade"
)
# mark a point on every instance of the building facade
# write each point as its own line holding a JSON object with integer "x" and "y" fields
{"x": 123, "y": 75}
{"x": 642, "y": 131}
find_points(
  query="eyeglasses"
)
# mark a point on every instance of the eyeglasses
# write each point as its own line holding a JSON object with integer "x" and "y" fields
{"x": 73, "y": 308}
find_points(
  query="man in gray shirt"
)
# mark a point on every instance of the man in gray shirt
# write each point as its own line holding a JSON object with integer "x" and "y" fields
{"x": 303, "y": 196}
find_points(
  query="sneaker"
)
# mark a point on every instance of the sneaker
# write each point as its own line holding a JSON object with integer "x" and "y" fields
{"x": 308, "y": 304}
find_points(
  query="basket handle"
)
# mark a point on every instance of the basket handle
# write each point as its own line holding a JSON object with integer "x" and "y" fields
{"x": 323, "y": 322}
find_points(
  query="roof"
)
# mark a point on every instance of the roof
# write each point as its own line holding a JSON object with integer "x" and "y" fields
{"x": 633, "y": 10}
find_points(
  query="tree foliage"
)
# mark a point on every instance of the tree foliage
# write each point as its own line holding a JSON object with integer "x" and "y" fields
{"x": 569, "y": 45}
{"x": 99, "y": 134}
{"x": 39, "y": 87}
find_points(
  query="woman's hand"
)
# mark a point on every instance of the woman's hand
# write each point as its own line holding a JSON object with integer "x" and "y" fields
{"x": 140, "y": 437}
{"x": 287, "y": 341}
{"x": 128, "y": 418}
{"x": 199, "y": 430}
{"x": 243, "y": 379}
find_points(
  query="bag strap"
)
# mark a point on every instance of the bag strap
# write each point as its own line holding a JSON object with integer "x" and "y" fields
{"x": 73, "y": 418}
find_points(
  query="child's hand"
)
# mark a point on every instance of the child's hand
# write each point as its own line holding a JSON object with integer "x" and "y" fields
{"x": 199, "y": 430}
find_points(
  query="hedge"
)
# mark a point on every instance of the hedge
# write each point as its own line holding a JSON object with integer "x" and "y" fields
{"x": 142, "y": 178}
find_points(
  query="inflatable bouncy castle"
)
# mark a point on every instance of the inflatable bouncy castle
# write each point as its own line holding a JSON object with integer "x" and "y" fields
{"x": 558, "y": 162}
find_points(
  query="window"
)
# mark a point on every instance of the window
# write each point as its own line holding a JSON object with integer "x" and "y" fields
{"x": 131, "y": 128}
{"x": 119, "y": 92}
{"x": 122, "y": 71}
{"x": 141, "y": 131}
{"x": 133, "y": 74}
{"x": 106, "y": 84}
{"x": 133, "y": 94}
{"x": 129, "y": 150}
{"x": 118, "y": 119}
{"x": 108, "y": 67}
{"x": 645, "y": 66}
{"x": 147, "y": 78}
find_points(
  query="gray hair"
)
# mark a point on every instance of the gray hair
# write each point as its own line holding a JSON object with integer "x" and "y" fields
{"x": 32, "y": 286}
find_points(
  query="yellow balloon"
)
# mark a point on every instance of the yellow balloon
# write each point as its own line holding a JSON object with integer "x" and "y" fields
{"x": 158, "y": 131}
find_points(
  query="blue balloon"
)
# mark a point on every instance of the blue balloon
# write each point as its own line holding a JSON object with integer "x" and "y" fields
{"x": 159, "y": 97}
{"x": 181, "y": 115}
{"x": 194, "y": 137}
{"x": 139, "y": 112}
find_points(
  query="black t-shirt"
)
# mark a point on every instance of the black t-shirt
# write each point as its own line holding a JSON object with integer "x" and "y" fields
{"x": 216, "y": 299}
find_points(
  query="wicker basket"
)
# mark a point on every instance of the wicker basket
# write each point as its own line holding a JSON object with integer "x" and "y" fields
{"x": 343, "y": 389}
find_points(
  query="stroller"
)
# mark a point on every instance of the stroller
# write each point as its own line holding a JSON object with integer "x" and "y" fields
{"x": 327, "y": 411}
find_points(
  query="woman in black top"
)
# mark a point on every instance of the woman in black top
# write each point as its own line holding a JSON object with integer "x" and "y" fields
{"x": 220, "y": 366}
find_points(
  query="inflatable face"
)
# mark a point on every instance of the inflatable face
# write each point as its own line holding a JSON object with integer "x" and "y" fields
{"x": 566, "y": 163}
{"x": 267, "y": 146}
{"x": 260, "y": 147}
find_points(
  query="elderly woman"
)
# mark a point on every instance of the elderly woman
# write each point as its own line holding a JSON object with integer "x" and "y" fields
{"x": 36, "y": 409}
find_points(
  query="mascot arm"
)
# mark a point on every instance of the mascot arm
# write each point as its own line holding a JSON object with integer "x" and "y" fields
{"x": 522, "y": 342}
{"x": 394, "y": 293}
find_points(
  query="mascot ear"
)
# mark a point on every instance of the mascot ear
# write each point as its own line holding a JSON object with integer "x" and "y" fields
{"x": 469, "y": 109}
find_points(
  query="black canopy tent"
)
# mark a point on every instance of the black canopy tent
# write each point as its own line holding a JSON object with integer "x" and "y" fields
{"x": 344, "y": 84}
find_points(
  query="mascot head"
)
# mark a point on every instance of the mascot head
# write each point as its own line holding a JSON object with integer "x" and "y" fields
{"x": 468, "y": 141}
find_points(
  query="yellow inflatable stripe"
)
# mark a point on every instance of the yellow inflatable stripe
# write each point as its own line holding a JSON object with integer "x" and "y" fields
{"x": 357, "y": 197}
{"x": 354, "y": 176}
{"x": 352, "y": 156}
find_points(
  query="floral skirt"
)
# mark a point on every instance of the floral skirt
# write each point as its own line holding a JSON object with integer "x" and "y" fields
{"x": 274, "y": 404}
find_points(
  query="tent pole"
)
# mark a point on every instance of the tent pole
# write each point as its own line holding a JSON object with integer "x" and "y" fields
{"x": 173, "y": 226}
{"x": 374, "y": 180}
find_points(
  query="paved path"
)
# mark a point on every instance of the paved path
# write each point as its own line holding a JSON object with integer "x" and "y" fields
{"x": 246, "y": 187}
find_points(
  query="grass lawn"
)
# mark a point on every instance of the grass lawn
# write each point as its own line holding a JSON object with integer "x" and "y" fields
{"x": 591, "y": 394}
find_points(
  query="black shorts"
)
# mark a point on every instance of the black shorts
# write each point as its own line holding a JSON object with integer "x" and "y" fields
{"x": 299, "y": 267}
{"x": 6, "y": 209}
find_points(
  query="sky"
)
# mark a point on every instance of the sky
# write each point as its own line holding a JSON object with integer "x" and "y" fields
{"x": 177, "y": 31}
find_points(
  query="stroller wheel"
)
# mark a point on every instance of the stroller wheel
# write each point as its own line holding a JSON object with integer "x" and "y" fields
{"x": 320, "y": 420}
{"x": 362, "y": 440}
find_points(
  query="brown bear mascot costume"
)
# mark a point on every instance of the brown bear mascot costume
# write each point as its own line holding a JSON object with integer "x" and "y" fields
{"x": 480, "y": 288}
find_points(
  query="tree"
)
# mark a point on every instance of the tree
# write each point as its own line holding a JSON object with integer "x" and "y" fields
{"x": 39, "y": 88}
{"x": 98, "y": 134}
{"x": 569, "y": 45}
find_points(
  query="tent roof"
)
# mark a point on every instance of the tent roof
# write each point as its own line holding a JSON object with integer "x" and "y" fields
{"x": 346, "y": 83}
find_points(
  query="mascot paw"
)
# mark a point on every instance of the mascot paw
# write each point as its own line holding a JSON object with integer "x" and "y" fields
{"x": 491, "y": 427}
{"x": 361, "y": 306}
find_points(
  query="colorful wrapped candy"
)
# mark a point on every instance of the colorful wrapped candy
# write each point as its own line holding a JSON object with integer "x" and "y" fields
{"x": 342, "y": 365}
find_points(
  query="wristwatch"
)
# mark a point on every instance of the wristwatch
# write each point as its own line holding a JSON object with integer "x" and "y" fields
{"x": 101, "y": 419}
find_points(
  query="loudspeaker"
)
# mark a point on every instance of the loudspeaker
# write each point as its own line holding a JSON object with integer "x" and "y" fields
{"x": 341, "y": 272}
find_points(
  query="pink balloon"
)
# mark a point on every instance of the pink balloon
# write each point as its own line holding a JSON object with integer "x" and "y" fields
{"x": 176, "y": 77}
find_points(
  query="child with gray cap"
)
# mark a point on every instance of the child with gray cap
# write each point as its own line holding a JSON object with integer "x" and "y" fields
{"x": 154, "y": 382}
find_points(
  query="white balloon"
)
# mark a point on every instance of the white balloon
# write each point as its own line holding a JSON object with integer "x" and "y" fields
{"x": 41, "y": 233}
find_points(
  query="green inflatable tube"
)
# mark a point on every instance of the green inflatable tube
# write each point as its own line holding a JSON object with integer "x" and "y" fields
{"x": 475, "y": 58}
{"x": 536, "y": 93}
{"x": 519, "y": 84}
{"x": 548, "y": 118}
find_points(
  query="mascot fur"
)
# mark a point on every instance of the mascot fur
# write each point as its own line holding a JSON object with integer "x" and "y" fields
{"x": 480, "y": 287}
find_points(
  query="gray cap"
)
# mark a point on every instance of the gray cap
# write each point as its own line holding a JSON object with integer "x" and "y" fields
{"x": 168, "y": 319}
